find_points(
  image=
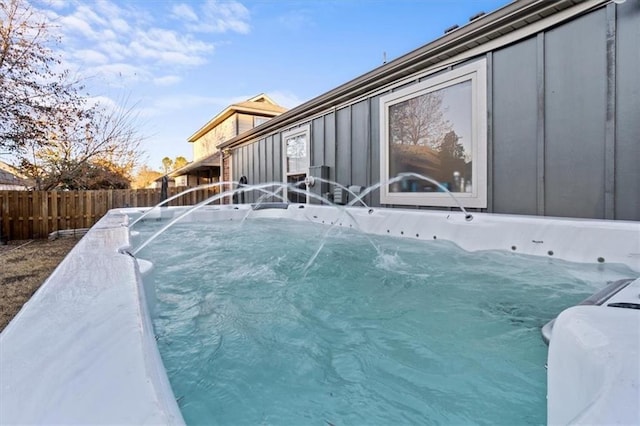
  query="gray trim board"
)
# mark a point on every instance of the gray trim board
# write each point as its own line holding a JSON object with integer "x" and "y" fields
{"x": 540, "y": 125}
{"x": 627, "y": 150}
{"x": 610, "y": 125}
{"x": 490, "y": 171}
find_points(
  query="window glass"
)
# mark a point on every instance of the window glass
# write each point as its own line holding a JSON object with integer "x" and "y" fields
{"x": 436, "y": 128}
{"x": 297, "y": 158}
{"x": 259, "y": 120}
{"x": 430, "y": 134}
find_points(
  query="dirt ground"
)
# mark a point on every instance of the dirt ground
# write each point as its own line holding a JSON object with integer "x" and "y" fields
{"x": 24, "y": 266}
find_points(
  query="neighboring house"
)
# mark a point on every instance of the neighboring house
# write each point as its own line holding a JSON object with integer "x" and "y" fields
{"x": 12, "y": 180}
{"x": 531, "y": 109}
{"x": 231, "y": 122}
{"x": 157, "y": 183}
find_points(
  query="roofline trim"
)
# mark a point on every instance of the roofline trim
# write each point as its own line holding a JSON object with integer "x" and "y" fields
{"x": 196, "y": 164}
{"x": 226, "y": 113}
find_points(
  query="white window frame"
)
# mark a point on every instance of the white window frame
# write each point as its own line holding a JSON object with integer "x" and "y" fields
{"x": 477, "y": 74}
{"x": 258, "y": 120}
{"x": 302, "y": 130}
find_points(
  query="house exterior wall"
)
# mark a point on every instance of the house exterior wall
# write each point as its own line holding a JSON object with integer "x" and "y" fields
{"x": 245, "y": 122}
{"x": 207, "y": 144}
{"x": 562, "y": 124}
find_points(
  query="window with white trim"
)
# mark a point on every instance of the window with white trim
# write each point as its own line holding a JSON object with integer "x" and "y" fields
{"x": 296, "y": 160}
{"x": 438, "y": 129}
{"x": 260, "y": 120}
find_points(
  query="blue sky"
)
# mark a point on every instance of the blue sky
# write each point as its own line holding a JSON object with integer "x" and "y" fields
{"x": 181, "y": 63}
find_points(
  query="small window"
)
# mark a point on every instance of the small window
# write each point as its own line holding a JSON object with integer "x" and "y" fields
{"x": 296, "y": 161}
{"x": 259, "y": 120}
{"x": 296, "y": 144}
{"x": 436, "y": 128}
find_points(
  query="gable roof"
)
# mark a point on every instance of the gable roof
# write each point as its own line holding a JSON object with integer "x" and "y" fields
{"x": 10, "y": 176}
{"x": 508, "y": 24}
{"x": 260, "y": 105}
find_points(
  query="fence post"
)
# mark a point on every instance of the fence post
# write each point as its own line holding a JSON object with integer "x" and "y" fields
{"x": 4, "y": 216}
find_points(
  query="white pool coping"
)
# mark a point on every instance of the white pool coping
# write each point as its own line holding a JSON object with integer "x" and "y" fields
{"x": 82, "y": 350}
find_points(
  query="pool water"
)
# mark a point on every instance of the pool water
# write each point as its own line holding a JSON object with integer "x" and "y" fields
{"x": 376, "y": 331}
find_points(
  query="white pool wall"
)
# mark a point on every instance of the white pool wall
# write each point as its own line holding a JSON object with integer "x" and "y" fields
{"x": 82, "y": 350}
{"x": 575, "y": 240}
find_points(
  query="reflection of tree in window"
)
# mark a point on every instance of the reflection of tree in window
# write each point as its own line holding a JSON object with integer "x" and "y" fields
{"x": 419, "y": 121}
{"x": 425, "y": 138}
{"x": 296, "y": 154}
{"x": 455, "y": 164}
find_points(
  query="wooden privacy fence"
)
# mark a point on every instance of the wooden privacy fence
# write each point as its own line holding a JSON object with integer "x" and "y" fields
{"x": 35, "y": 214}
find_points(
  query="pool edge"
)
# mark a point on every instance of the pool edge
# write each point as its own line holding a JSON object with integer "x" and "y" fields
{"x": 82, "y": 350}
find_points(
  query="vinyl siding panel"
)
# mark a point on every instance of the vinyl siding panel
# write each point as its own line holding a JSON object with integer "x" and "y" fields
{"x": 575, "y": 101}
{"x": 514, "y": 129}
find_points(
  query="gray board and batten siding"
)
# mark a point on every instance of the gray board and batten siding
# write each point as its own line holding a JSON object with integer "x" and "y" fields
{"x": 563, "y": 127}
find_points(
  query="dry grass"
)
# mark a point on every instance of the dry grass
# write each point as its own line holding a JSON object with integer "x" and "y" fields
{"x": 24, "y": 266}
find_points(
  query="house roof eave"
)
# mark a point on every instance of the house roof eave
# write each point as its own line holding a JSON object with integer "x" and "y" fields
{"x": 241, "y": 107}
{"x": 204, "y": 163}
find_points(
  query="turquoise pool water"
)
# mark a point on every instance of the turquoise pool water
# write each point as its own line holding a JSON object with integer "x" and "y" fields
{"x": 377, "y": 331}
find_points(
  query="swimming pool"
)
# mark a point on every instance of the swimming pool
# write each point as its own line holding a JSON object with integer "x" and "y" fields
{"x": 86, "y": 341}
{"x": 375, "y": 330}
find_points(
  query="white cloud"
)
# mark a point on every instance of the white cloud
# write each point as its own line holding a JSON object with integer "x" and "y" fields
{"x": 88, "y": 15}
{"x": 89, "y": 56}
{"x": 103, "y": 101}
{"x": 214, "y": 17}
{"x": 120, "y": 25}
{"x": 169, "y": 48}
{"x": 119, "y": 74}
{"x": 57, "y": 4}
{"x": 115, "y": 50}
{"x": 167, "y": 80}
{"x": 109, "y": 10}
{"x": 220, "y": 17}
{"x": 108, "y": 35}
{"x": 102, "y": 32}
{"x": 71, "y": 23}
{"x": 185, "y": 12}
{"x": 160, "y": 39}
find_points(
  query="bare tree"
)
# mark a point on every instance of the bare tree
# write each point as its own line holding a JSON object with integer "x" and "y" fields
{"x": 56, "y": 136}
{"x": 100, "y": 141}
{"x": 31, "y": 84}
{"x": 419, "y": 121}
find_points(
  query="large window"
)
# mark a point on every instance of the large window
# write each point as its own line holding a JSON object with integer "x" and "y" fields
{"x": 296, "y": 160}
{"x": 436, "y": 129}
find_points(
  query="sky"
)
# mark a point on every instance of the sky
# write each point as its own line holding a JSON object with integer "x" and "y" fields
{"x": 180, "y": 63}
